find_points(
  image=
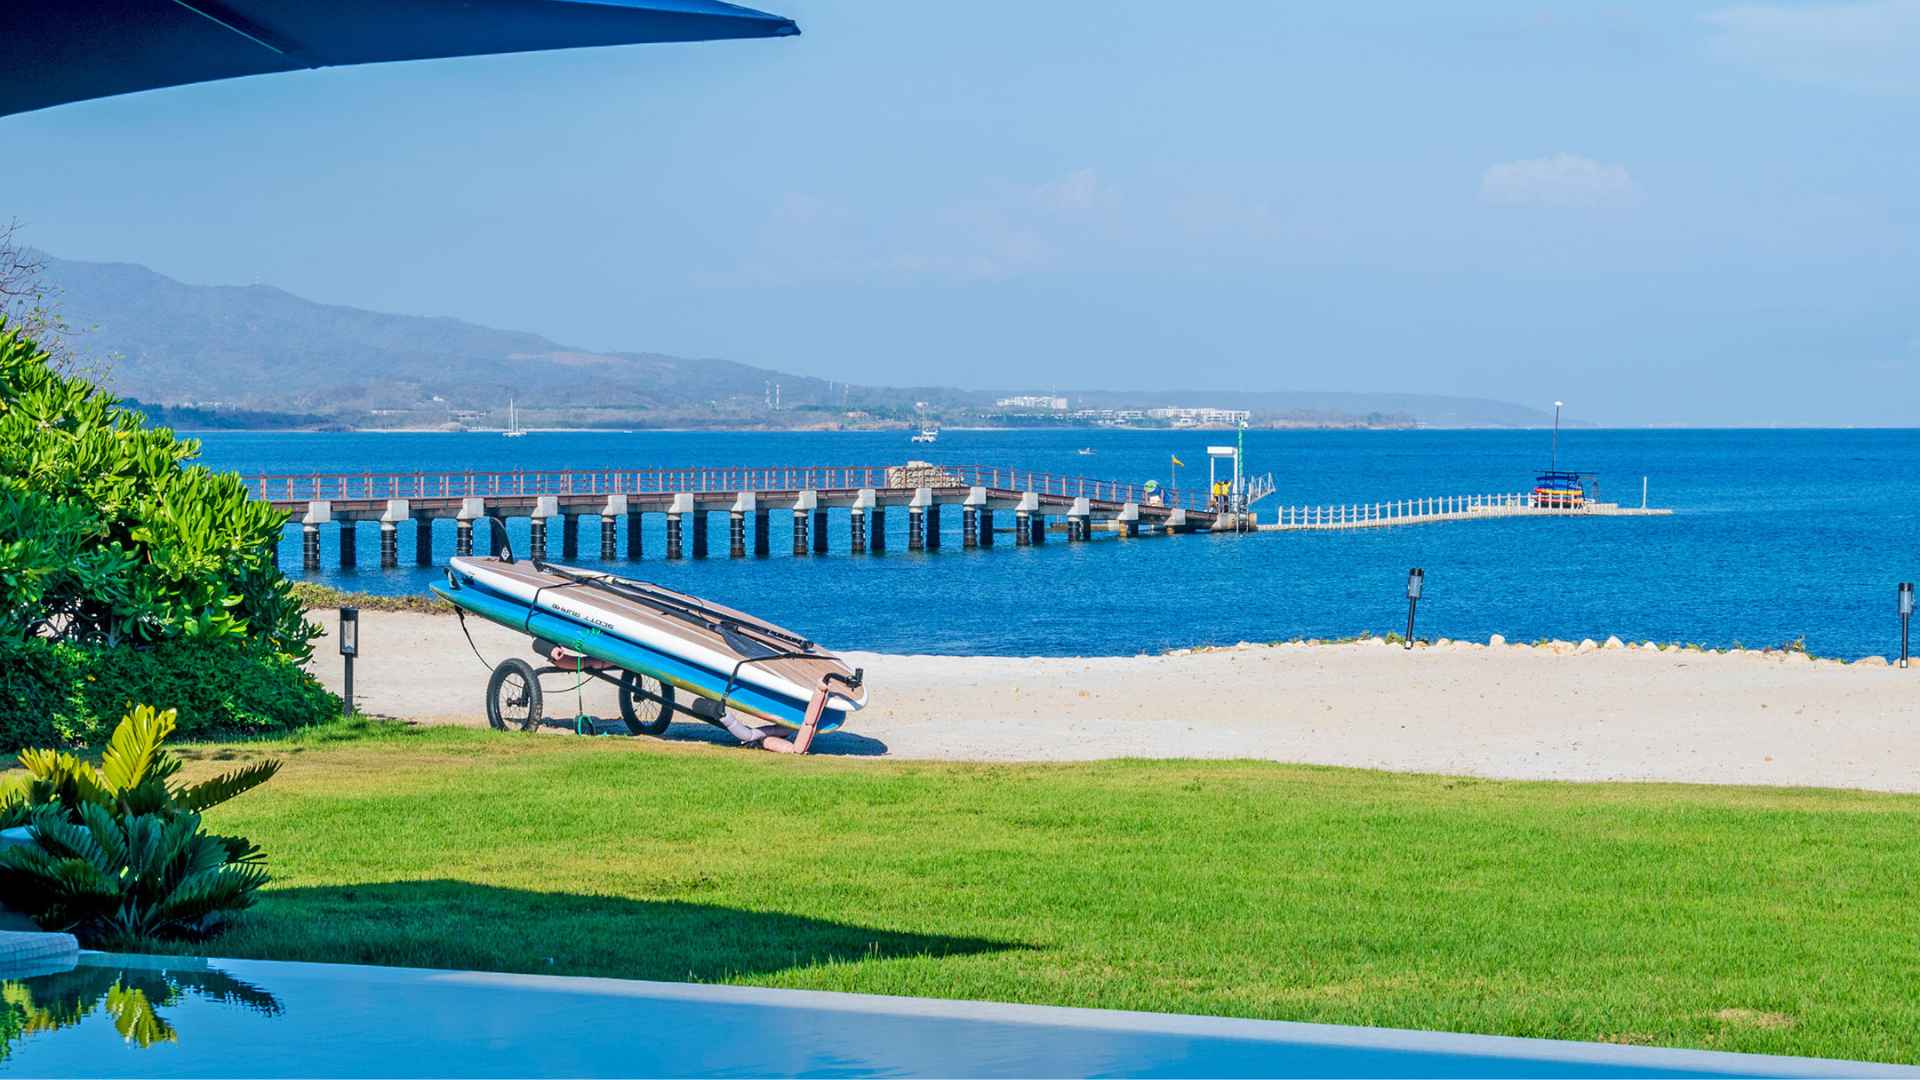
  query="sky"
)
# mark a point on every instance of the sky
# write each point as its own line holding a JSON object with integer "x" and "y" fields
{"x": 1662, "y": 212}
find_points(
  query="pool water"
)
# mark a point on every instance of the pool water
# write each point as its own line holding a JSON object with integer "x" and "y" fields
{"x": 173, "y": 1016}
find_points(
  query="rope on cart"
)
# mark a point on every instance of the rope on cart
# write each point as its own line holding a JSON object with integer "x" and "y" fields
{"x": 462, "y": 614}
{"x": 582, "y": 724}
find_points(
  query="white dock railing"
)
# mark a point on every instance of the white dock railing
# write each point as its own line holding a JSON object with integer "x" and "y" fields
{"x": 1420, "y": 511}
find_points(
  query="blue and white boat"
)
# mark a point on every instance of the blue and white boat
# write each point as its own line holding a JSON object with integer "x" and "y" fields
{"x": 742, "y": 663}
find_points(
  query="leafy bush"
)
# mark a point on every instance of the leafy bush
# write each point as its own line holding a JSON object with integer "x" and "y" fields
{"x": 118, "y": 857}
{"x": 59, "y": 693}
{"x": 109, "y": 535}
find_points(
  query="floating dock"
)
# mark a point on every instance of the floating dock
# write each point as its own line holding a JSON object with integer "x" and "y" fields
{"x": 1433, "y": 510}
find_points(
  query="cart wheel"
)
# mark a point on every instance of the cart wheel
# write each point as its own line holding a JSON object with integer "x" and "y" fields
{"x": 513, "y": 696}
{"x": 646, "y": 703}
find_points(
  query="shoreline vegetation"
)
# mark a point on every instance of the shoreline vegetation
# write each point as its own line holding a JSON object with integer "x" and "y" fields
{"x": 319, "y": 597}
{"x": 1752, "y": 919}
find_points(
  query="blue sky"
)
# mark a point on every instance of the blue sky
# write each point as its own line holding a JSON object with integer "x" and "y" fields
{"x": 1661, "y": 212}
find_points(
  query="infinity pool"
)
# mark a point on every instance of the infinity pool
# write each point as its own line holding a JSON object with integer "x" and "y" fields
{"x": 151, "y": 1016}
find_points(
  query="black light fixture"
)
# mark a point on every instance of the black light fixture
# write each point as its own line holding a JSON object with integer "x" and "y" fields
{"x": 1416, "y": 580}
{"x": 1906, "y": 617}
{"x": 349, "y": 648}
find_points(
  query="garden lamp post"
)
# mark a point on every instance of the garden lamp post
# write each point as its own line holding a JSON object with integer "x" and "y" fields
{"x": 1906, "y": 617}
{"x": 1416, "y": 580}
{"x": 349, "y": 648}
{"x": 1556, "y": 434}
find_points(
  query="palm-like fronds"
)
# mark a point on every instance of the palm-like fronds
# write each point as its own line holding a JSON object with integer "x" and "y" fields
{"x": 119, "y": 857}
{"x": 135, "y": 745}
{"x": 197, "y": 797}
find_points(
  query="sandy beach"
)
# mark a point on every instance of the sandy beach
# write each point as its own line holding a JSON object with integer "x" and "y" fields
{"x": 1563, "y": 712}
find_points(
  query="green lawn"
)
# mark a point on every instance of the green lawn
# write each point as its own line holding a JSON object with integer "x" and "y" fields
{"x": 1777, "y": 921}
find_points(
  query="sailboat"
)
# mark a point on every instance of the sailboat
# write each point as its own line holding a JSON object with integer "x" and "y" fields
{"x": 514, "y": 430}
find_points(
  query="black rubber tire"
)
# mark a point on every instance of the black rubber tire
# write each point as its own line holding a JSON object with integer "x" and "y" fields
{"x": 646, "y": 704}
{"x": 513, "y": 696}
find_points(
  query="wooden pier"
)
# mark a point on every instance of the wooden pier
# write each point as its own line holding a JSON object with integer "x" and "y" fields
{"x": 558, "y": 499}
{"x": 814, "y": 498}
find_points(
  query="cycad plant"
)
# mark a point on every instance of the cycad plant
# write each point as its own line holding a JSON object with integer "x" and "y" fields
{"x": 118, "y": 857}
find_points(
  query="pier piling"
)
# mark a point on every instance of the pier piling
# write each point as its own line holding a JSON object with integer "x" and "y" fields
{"x": 319, "y": 512}
{"x": 348, "y": 556}
{"x": 863, "y": 503}
{"x": 820, "y": 531}
{"x": 969, "y": 526}
{"x": 423, "y": 541}
{"x": 762, "y": 540}
{"x": 569, "y": 536}
{"x": 743, "y": 504}
{"x": 397, "y": 511}
{"x": 933, "y": 521}
{"x": 917, "y": 519}
{"x": 610, "y": 513}
{"x": 471, "y": 510}
{"x": 699, "y": 533}
{"x": 545, "y": 509}
{"x": 1023, "y": 517}
{"x": 635, "y": 545}
{"x": 877, "y": 529}
{"x": 805, "y": 504}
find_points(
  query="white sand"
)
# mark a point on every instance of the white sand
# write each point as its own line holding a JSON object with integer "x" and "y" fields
{"x": 1507, "y": 711}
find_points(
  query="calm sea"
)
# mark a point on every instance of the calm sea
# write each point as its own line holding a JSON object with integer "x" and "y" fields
{"x": 1776, "y": 536}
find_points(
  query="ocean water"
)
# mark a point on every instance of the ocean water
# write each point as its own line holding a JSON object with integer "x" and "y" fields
{"x": 1777, "y": 536}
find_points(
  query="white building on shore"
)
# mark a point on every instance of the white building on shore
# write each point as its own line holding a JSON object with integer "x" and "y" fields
{"x": 1033, "y": 401}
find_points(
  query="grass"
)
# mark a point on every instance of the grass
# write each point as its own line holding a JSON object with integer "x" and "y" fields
{"x": 1767, "y": 920}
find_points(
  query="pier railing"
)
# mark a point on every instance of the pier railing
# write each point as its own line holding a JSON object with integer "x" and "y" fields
{"x": 1406, "y": 511}
{"x": 517, "y": 482}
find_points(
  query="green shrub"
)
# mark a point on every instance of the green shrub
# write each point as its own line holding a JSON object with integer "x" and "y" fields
{"x": 109, "y": 535}
{"x": 60, "y": 693}
{"x": 117, "y": 856}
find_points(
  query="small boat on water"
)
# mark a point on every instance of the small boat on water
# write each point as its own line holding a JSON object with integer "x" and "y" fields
{"x": 514, "y": 430}
{"x": 591, "y": 622}
{"x": 926, "y": 435}
{"x": 1085, "y": 451}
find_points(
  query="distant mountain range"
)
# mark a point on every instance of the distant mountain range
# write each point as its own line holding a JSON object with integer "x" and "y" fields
{"x": 257, "y": 355}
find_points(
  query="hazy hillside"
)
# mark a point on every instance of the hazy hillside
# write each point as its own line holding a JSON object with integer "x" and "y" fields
{"x": 261, "y": 347}
{"x": 245, "y": 350}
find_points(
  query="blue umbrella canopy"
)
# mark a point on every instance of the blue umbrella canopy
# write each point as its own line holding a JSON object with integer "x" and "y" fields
{"x": 59, "y": 51}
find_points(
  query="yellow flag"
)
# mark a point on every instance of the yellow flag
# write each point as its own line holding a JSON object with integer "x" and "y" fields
{"x": 1177, "y": 461}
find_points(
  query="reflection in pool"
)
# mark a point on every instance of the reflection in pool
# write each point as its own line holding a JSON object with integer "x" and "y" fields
{"x": 129, "y": 995}
{"x": 174, "y": 1016}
